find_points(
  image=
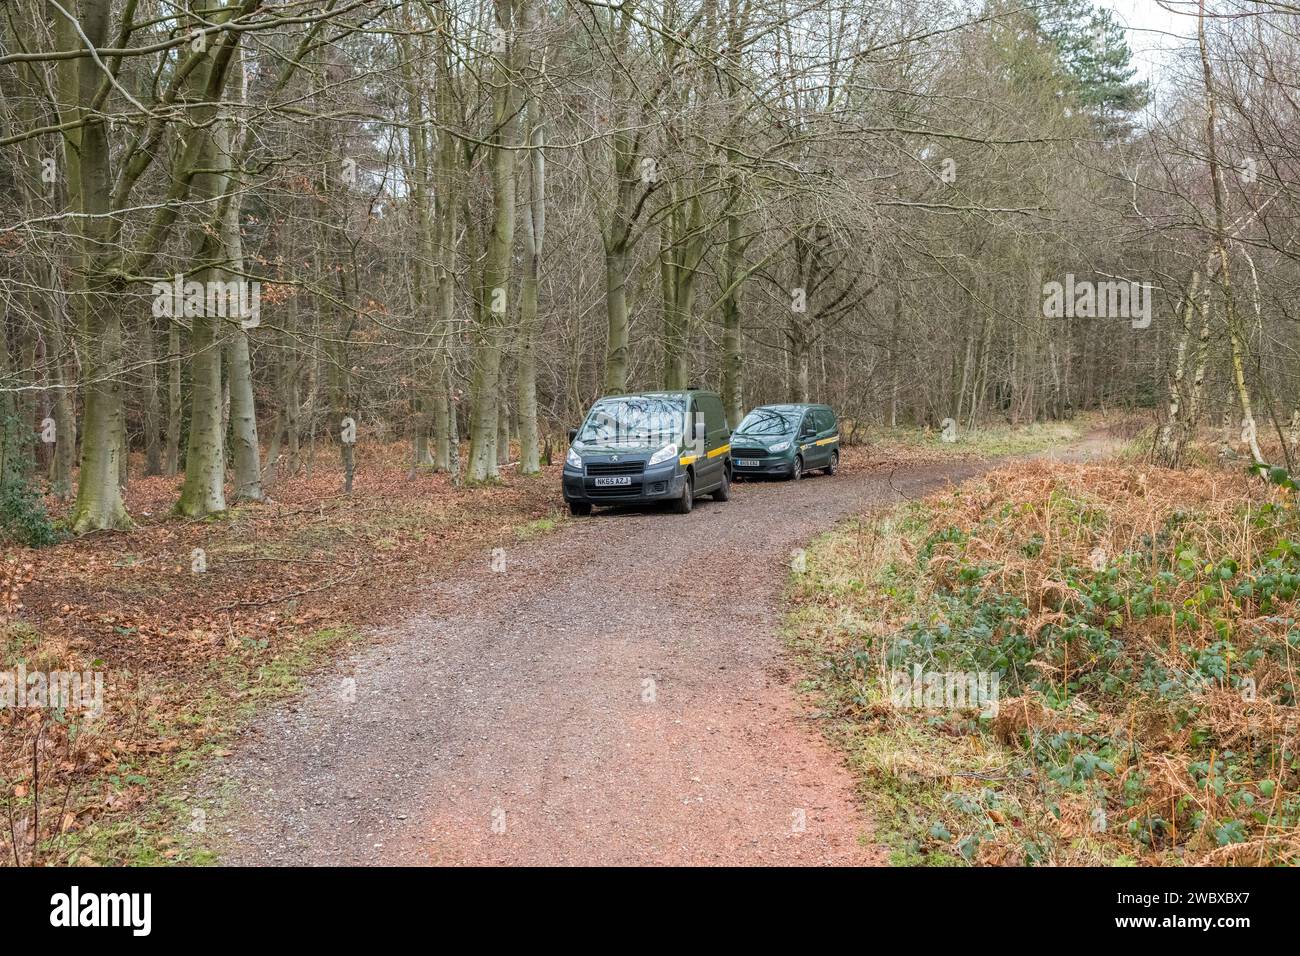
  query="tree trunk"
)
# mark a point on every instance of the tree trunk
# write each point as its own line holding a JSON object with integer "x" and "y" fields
{"x": 503, "y": 424}
{"x": 493, "y": 304}
{"x": 203, "y": 492}
{"x": 618, "y": 216}
{"x": 246, "y": 449}
{"x": 243, "y": 420}
{"x": 172, "y": 451}
{"x": 733, "y": 363}
{"x": 65, "y": 419}
{"x": 423, "y": 286}
{"x": 123, "y": 443}
{"x": 446, "y": 206}
{"x": 801, "y": 360}
{"x": 534, "y": 237}
{"x": 99, "y": 497}
{"x": 1235, "y": 336}
{"x": 153, "y": 464}
{"x": 616, "y": 354}
{"x": 1173, "y": 434}
{"x": 682, "y": 246}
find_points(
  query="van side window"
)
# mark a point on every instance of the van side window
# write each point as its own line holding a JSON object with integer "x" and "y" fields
{"x": 712, "y": 410}
{"x": 825, "y": 419}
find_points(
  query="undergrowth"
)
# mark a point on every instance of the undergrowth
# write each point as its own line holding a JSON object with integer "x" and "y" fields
{"x": 1144, "y": 628}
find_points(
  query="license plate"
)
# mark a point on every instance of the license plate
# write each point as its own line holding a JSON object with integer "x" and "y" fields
{"x": 620, "y": 480}
{"x": 747, "y": 462}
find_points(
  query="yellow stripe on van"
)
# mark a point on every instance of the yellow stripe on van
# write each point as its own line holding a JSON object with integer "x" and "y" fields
{"x": 689, "y": 459}
{"x": 827, "y": 441}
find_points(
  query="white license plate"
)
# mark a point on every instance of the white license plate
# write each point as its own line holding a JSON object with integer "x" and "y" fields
{"x": 620, "y": 480}
{"x": 748, "y": 462}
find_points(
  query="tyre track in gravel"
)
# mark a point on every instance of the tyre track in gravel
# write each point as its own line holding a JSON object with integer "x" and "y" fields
{"x": 619, "y": 695}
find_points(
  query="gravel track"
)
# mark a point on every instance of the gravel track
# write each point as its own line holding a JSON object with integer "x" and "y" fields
{"x": 618, "y": 695}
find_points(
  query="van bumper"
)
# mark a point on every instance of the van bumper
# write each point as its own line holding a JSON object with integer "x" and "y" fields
{"x": 654, "y": 484}
{"x": 765, "y": 466}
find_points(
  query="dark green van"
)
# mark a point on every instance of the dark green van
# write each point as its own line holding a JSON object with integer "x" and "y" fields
{"x": 655, "y": 446}
{"x": 786, "y": 440}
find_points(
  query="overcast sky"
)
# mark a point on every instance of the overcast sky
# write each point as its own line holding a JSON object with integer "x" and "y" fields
{"x": 1153, "y": 27}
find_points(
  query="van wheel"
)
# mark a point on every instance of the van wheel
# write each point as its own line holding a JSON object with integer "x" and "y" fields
{"x": 835, "y": 463}
{"x": 580, "y": 509}
{"x": 797, "y": 471}
{"x": 686, "y": 502}
{"x": 724, "y": 491}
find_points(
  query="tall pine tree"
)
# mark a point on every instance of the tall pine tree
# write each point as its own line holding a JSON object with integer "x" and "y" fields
{"x": 1095, "y": 54}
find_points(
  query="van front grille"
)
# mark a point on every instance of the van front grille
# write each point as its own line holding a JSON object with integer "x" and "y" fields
{"x": 615, "y": 467}
{"x": 749, "y": 453}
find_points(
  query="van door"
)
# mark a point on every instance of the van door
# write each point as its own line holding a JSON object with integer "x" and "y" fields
{"x": 717, "y": 443}
{"x": 695, "y": 443}
{"x": 828, "y": 437}
{"x": 808, "y": 446}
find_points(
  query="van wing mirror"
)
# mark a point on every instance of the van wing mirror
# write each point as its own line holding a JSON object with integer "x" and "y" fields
{"x": 573, "y": 433}
{"x": 700, "y": 431}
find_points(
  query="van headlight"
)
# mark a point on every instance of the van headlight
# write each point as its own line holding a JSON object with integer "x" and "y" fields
{"x": 667, "y": 453}
{"x": 779, "y": 446}
{"x": 573, "y": 460}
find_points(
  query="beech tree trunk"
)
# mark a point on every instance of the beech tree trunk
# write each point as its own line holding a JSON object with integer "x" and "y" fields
{"x": 203, "y": 492}
{"x": 247, "y": 452}
{"x": 172, "y": 450}
{"x": 99, "y": 497}
{"x": 493, "y": 300}
{"x": 534, "y": 237}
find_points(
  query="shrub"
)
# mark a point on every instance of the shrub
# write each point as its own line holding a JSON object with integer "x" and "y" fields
{"x": 23, "y": 518}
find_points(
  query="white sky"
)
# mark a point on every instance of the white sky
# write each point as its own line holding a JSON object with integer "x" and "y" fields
{"x": 1153, "y": 27}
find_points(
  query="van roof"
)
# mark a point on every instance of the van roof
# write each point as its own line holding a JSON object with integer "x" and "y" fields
{"x": 792, "y": 406}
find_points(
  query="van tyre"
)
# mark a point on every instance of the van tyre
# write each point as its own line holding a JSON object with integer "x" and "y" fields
{"x": 835, "y": 464}
{"x": 797, "y": 471}
{"x": 724, "y": 490}
{"x": 686, "y": 502}
{"x": 579, "y": 509}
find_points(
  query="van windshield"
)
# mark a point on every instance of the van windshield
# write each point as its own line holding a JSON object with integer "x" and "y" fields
{"x": 767, "y": 421}
{"x": 637, "y": 420}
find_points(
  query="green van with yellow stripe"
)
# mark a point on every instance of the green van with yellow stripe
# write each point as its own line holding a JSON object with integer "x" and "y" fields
{"x": 787, "y": 441}
{"x": 653, "y": 446}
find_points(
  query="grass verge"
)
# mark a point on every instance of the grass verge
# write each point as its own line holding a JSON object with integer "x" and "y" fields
{"x": 1143, "y": 629}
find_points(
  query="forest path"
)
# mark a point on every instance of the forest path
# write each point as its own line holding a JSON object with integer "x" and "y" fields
{"x": 618, "y": 695}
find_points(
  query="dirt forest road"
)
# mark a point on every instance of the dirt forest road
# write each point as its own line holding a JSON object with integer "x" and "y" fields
{"x": 618, "y": 695}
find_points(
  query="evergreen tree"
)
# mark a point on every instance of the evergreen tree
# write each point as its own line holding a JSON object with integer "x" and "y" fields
{"x": 1096, "y": 56}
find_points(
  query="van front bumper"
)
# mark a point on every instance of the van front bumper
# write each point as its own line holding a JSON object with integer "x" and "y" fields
{"x": 778, "y": 465}
{"x": 654, "y": 484}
